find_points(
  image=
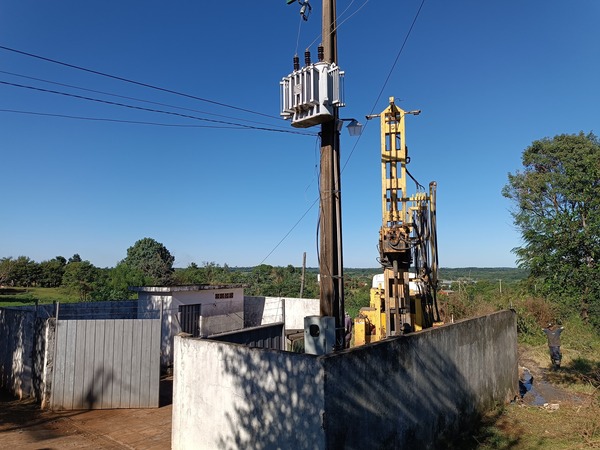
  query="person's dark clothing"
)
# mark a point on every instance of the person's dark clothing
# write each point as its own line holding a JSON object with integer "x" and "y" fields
{"x": 348, "y": 329}
{"x": 553, "y": 336}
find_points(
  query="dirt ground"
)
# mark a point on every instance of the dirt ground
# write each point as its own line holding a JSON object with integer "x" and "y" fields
{"x": 24, "y": 426}
{"x": 544, "y": 392}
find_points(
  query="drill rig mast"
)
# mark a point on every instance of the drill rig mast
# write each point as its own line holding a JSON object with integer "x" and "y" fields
{"x": 406, "y": 300}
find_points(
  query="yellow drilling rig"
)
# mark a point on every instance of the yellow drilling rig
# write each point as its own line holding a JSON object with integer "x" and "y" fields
{"x": 403, "y": 299}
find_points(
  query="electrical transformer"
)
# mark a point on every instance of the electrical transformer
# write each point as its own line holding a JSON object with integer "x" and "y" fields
{"x": 310, "y": 94}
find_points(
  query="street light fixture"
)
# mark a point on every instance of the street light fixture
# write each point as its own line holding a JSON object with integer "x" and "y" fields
{"x": 354, "y": 127}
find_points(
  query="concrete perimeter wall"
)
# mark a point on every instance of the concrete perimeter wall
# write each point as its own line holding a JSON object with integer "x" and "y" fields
{"x": 16, "y": 351}
{"x": 414, "y": 391}
{"x": 406, "y": 392}
{"x": 230, "y": 396}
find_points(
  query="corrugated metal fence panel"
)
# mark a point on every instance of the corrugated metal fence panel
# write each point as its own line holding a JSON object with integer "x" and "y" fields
{"x": 106, "y": 364}
{"x": 266, "y": 336}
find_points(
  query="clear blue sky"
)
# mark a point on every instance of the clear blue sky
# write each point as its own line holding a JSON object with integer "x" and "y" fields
{"x": 490, "y": 77}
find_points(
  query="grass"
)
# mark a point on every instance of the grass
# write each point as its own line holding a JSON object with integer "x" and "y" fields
{"x": 519, "y": 427}
{"x": 28, "y": 296}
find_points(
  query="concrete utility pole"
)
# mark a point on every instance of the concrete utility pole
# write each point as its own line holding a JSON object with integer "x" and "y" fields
{"x": 330, "y": 255}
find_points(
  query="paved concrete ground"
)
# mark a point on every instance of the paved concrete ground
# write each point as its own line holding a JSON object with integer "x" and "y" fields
{"x": 24, "y": 426}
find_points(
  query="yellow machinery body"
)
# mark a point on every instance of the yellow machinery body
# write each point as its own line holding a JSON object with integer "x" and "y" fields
{"x": 401, "y": 301}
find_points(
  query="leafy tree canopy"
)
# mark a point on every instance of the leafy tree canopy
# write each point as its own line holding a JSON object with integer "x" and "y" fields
{"x": 75, "y": 258}
{"x": 152, "y": 259}
{"x": 557, "y": 210}
{"x": 80, "y": 276}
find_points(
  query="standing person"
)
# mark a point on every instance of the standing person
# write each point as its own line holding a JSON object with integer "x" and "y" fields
{"x": 348, "y": 329}
{"x": 553, "y": 334}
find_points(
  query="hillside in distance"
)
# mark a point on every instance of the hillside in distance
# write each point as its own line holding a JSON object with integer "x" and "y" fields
{"x": 506, "y": 274}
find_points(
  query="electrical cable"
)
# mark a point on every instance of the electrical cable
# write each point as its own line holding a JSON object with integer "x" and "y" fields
{"x": 136, "y": 99}
{"x": 140, "y": 108}
{"x": 137, "y": 83}
{"x": 386, "y": 81}
{"x": 298, "y": 37}
{"x": 398, "y": 55}
{"x": 418, "y": 185}
{"x": 289, "y": 232}
{"x": 303, "y": 215}
{"x": 102, "y": 119}
{"x": 337, "y": 26}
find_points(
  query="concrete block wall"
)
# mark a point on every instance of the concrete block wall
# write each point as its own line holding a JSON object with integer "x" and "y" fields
{"x": 406, "y": 392}
{"x": 126, "y": 309}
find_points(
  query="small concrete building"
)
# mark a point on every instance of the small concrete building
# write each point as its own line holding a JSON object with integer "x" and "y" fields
{"x": 199, "y": 310}
{"x": 212, "y": 310}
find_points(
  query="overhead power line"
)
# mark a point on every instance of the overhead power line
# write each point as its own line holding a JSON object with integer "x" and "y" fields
{"x": 138, "y": 83}
{"x": 136, "y": 99}
{"x": 398, "y": 55}
{"x": 103, "y": 119}
{"x": 159, "y": 111}
{"x": 387, "y": 79}
{"x": 372, "y": 109}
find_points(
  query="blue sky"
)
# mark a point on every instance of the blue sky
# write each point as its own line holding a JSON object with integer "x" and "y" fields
{"x": 490, "y": 77}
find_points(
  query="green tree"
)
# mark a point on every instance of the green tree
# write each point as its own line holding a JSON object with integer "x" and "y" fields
{"x": 25, "y": 272}
{"x": 81, "y": 277}
{"x": 52, "y": 272}
{"x": 152, "y": 259}
{"x": 209, "y": 273}
{"x": 7, "y": 265}
{"x": 75, "y": 258}
{"x": 557, "y": 199}
{"x": 113, "y": 284}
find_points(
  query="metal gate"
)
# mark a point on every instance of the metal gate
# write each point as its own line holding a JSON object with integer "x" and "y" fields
{"x": 106, "y": 364}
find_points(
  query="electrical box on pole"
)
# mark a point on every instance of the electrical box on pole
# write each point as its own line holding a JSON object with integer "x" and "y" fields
{"x": 310, "y": 94}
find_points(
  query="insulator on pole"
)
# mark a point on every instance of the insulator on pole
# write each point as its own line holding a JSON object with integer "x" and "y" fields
{"x": 296, "y": 63}
{"x": 307, "y": 57}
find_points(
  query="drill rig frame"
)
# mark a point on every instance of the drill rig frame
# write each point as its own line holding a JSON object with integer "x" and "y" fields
{"x": 405, "y": 301}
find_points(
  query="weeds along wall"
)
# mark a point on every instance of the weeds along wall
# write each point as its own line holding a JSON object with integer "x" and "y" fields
{"x": 411, "y": 390}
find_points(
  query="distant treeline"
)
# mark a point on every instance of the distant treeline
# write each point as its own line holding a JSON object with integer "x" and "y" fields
{"x": 506, "y": 274}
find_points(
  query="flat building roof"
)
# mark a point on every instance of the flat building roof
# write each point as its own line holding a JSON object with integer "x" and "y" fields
{"x": 192, "y": 287}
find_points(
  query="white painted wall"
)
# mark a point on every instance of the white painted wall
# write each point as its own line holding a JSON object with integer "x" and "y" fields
{"x": 405, "y": 392}
{"x": 296, "y": 309}
{"x": 231, "y": 396}
{"x": 266, "y": 310}
{"x": 168, "y": 300}
{"x": 260, "y": 310}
